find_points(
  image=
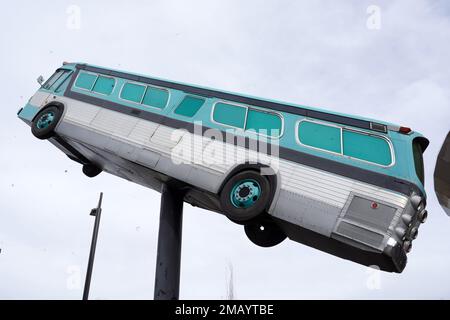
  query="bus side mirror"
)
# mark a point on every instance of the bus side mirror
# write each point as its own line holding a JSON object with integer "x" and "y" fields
{"x": 40, "y": 80}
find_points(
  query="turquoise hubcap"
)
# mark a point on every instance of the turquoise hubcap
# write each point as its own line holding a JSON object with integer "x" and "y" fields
{"x": 45, "y": 120}
{"x": 245, "y": 193}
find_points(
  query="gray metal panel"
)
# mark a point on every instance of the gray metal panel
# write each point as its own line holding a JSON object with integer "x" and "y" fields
{"x": 360, "y": 211}
{"x": 360, "y": 234}
{"x": 305, "y": 212}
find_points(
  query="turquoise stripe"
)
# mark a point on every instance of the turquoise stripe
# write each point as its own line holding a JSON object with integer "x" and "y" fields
{"x": 28, "y": 112}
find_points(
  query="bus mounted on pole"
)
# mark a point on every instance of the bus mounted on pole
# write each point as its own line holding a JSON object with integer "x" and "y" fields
{"x": 347, "y": 185}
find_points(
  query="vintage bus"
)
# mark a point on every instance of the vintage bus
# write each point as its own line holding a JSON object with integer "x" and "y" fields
{"x": 347, "y": 185}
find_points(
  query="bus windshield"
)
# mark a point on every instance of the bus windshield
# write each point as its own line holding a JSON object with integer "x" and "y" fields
{"x": 418, "y": 161}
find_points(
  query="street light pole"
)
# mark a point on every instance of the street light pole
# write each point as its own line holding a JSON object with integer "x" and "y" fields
{"x": 96, "y": 213}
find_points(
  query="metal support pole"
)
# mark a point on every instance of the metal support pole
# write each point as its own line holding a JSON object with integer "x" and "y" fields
{"x": 168, "y": 260}
{"x": 96, "y": 213}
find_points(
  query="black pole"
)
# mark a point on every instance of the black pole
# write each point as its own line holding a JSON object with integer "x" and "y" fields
{"x": 97, "y": 213}
{"x": 168, "y": 260}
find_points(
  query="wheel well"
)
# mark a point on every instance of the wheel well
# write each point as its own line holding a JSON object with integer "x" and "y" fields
{"x": 273, "y": 178}
{"x": 57, "y": 104}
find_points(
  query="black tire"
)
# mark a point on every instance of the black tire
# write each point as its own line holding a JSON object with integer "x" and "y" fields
{"x": 91, "y": 170}
{"x": 245, "y": 214}
{"x": 264, "y": 233}
{"x": 42, "y": 129}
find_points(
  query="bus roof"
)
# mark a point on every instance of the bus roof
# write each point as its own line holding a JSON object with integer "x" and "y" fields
{"x": 211, "y": 91}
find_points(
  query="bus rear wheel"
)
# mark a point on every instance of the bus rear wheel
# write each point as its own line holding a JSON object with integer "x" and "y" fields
{"x": 245, "y": 196}
{"x": 264, "y": 233}
{"x": 44, "y": 124}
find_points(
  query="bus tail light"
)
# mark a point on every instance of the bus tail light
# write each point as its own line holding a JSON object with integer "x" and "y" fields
{"x": 405, "y": 130}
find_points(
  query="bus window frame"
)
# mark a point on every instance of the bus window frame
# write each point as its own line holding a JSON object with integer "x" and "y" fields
{"x": 169, "y": 95}
{"x": 59, "y": 77}
{"x": 141, "y": 104}
{"x": 69, "y": 74}
{"x": 247, "y": 108}
{"x": 93, "y": 84}
{"x": 342, "y": 128}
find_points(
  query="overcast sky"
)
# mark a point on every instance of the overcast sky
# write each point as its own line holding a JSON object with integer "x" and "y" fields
{"x": 330, "y": 54}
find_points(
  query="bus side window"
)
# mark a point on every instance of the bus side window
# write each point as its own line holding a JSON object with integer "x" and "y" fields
{"x": 86, "y": 81}
{"x": 104, "y": 85}
{"x": 367, "y": 147}
{"x": 189, "y": 106}
{"x": 320, "y": 136}
{"x": 229, "y": 114}
{"x": 132, "y": 92}
{"x": 95, "y": 83}
{"x": 262, "y": 122}
{"x": 156, "y": 97}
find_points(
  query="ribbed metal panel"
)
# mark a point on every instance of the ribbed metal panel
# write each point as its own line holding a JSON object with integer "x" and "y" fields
{"x": 360, "y": 234}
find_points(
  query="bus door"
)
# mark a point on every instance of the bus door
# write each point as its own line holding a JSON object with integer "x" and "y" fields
{"x": 442, "y": 176}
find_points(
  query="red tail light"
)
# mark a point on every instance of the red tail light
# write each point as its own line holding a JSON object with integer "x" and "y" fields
{"x": 404, "y": 130}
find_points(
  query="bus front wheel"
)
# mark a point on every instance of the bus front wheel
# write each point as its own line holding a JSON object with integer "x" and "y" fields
{"x": 264, "y": 233}
{"x": 44, "y": 124}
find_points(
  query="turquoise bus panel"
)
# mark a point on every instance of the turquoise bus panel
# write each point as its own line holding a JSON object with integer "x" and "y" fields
{"x": 104, "y": 85}
{"x": 229, "y": 114}
{"x": 189, "y": 106}
{"x": 132, "y": 92}
{"x": 367, "y": 147}
{"x": 85, "y": 80}
{"x": 28, "y": 112}
{"x": 263, "y": 122}
{"x": 155, "y": 97}
{"x": 320, "y": 136}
